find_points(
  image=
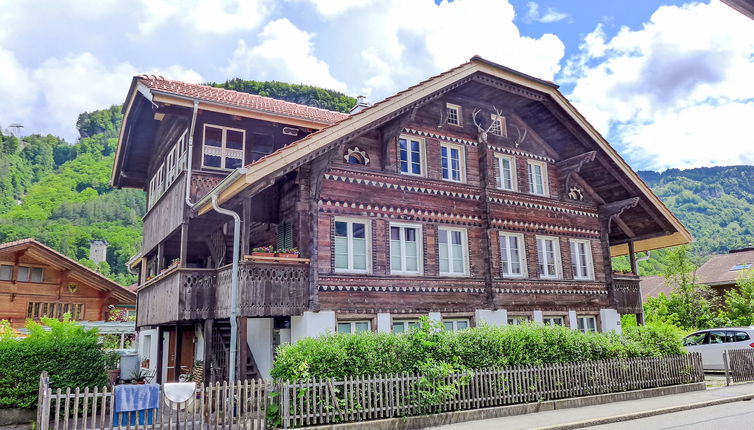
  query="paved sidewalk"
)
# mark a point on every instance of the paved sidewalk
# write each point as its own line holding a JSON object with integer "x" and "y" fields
{"x": 611, "y": 412}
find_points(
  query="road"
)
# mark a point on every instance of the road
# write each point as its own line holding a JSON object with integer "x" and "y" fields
{"x": 729, "y": 416}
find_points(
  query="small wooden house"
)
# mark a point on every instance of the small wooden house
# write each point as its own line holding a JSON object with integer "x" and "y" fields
{"x": 36, "y": 281}
{"x": 477, "y": 196}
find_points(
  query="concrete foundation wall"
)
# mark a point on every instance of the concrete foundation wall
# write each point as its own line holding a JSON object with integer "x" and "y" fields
{"x": 259, "y": 337}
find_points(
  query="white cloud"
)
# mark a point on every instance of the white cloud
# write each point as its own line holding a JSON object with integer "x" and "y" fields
{"x": 207, "y": 16}
{"x": 285, "y": 53}
{"x": 48, "y": 98}
{"x": 550, "y": 15}
{"x": 675, "y": 93}
{"x": 333, "y": 8}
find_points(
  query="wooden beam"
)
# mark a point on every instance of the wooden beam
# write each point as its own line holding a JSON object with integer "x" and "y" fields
{"x": 615, "y": 209}
{"x": 184, "y": 244}
{"x": 632, "y": 258}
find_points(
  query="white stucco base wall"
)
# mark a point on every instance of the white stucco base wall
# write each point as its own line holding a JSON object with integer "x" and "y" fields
{"x": 435, "y": 317}
{"x": 312, "y": 324}
{"x": 147, "y": 348}
{"x": 610, "y": 319}
{"x": 574, "y": 323}
{"x": 493, "y": 318}
{"x": 259, "y": 337}
{"x": 537, "y": 317}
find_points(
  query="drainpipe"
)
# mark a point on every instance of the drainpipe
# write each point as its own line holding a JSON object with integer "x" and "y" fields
{"x": 190, "y": 153}
{"x": 639, "y": 260}
{"x": 233, "y": 286}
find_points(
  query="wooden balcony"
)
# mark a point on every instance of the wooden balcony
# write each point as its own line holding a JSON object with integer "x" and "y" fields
{"x": 627, "y": 294}
{"x": 264, "y": 290}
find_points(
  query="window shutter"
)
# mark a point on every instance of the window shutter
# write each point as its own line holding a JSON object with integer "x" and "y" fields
{"x": 285, "y": 235}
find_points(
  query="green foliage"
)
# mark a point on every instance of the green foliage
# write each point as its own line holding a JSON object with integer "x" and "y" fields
{"x": 301, "y": 94}
{"x": 740, "y": 301}
{"x": 430, "y": 348}
{"x": 70, "y": 354}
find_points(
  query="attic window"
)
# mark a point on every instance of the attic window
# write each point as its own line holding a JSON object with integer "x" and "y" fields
{"x": 454, "y": 114}
{"x": 223, "y": 147}
{"x": 356, "y": 156}
{"x": 740, "y": 267}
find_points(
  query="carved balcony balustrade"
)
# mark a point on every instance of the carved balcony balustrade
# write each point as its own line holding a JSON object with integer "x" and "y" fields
{"x": 627, "y": 293}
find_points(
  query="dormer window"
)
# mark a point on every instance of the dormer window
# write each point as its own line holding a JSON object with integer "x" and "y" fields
{"x": 223, "y": 147}
{"x": 454, "y": 114}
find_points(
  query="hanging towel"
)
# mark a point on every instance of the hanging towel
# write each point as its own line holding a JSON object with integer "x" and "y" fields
{"x": 179, "y": 392}
{"x": 135, "y": 397}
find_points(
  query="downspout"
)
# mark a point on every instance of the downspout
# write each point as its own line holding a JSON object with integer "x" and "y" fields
{"x": 233, "y": 286}
{"x": 190, "y": 153}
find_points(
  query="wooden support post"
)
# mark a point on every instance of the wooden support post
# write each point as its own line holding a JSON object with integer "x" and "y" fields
{"x": 632, "y": 258}
{"x": 243, "y": 348}
{"x": 245, "y": 227}
{"x": 144, "y": 271}
{"x": 160, "y": 348}
{"x": 184, "y": 244}
{"x": 178, "y": 345}
{"x": 208, "y": 359}
{"x": 486, "y": 222}
{"x": 160, "y": 256}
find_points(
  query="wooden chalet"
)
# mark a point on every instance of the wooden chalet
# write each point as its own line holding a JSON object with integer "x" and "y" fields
{"x": 477, "y": 196}
{"x": 36, "y": 281}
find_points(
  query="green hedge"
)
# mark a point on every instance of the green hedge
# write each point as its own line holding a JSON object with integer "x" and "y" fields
{"x": 71, "y": 355}
{"x": 337, "y": 356}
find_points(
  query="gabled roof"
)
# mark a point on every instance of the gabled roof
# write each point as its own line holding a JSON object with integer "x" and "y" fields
{"x": 78, "y": 270}
{"x": 725, "y": 268}
{"x": 316, "y": 144}
{"x": 652, "y": 286}
{"x": 158, "y": 84}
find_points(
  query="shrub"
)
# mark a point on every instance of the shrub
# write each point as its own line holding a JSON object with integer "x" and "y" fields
{"x": 70, "y": 354}
{"x": 336, "y": 356}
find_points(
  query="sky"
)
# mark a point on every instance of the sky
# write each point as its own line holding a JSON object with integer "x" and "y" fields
{"x": 668, "y": 83}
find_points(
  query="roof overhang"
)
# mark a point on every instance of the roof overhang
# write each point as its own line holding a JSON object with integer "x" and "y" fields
{"x": 293, "y": 154}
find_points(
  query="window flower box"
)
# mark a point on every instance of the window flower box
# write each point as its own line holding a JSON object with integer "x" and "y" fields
{"x": 288, "y": 253}
{"x": 263, "y": 251}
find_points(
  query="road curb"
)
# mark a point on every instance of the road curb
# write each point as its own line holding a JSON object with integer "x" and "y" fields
{"x": 645, "y": 414}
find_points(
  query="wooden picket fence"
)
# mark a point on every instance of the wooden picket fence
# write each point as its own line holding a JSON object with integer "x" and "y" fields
{"x": 318, "y": 401}
{"x": 739, "y": 365}
{"x": 326, "y": 401}
{"x": 92, "y": 409}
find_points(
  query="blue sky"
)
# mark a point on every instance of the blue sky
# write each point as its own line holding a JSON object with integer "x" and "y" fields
{"x": 669, "y": 83}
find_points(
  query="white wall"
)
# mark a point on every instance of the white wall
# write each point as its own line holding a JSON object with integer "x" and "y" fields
{"x": 147, "y": 347}
{"x": 435, "y": 317}
{"x": 259, "y": 337}
{"x": 493, "y": 318}
{"x": 199, "y": 345}
{"x": 572, "y": 320}
{"x": 384, "y": 323}
{"x": 537, "y": 317}
{"x": 610, "y": 319}
{"x": 312, "y": 324}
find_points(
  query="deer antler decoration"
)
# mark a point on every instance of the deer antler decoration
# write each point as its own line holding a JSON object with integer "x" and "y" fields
{"x": 520, "y": 136}
{"x": 482, "y": 138}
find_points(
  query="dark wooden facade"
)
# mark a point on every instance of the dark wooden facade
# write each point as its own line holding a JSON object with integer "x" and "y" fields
{"x": 588, "y": 196}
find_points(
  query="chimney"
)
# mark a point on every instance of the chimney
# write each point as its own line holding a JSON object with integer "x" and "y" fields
{"x": 98, "y": 251}
{"x": 361, "y": 104}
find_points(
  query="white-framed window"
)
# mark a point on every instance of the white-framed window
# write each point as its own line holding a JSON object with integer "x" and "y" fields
{"x": 498, "y": 126}
{"x": 403, "y": 326}
{"x": 452, "y": 162}
{"x": 352, "y": 245}
{"x": 518, "y": 320}
{"x": 582, "y": 263}
{"x": 553, "y": 320}
{"x": 223, "y": 147}
{"x": 587, "y": 324}
{"x": 548, "y": 257}
{"x": 456, "y": 324}
{"x": 30, "y": 274}
{"x": 170, "y": 166}
{"x": 454, "y": 114}
{"x": 411, "y": 155}
{"x": 406, "y": 255}
{"x": 351, "y": 327}
{"x": 506, "y": 172}
{"x": 6, "y": 272}
{"x": 538, "y": 182}
{"x": 453, "y": 244}
{"x": 512, "y": 255}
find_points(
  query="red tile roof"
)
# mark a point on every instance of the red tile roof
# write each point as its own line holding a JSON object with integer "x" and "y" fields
{"x": 652, "y": 286}
{"x": 241, "y": 100}
{"x": 718, "y": 270}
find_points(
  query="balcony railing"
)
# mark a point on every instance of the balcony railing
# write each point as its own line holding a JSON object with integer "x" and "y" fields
{"x": 264, "y": 290}
{"x": 627, "y": 294}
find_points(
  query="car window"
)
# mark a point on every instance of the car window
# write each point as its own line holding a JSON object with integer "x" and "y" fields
{"x": 741, "y": 336}
{"x": 716, "y": 337}
{"x": 694, "y": 339}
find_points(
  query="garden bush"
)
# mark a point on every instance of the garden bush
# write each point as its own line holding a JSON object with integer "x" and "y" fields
{"x": 369, "y": 353}
{"x": 69, "y": 353}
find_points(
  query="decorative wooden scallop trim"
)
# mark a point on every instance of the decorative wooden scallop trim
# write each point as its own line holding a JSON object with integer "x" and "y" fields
{"x": 536, "y": 227}
{"x": 396, "y": 289}
{"x": 399, "y": 187}
{"x": 531, "y": 205}
{"x": 547, "y": 291}
{"x": 440, "y": 136}
{"x": 392, "y": 212}
{"x": 510, "y": 151}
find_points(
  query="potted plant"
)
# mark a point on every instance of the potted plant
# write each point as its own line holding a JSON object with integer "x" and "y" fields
{"x": 288, "y": 253}
{"x": 263, "y": 251}
{"x": 139, "y": 376}
{"x": 174, "y": 263}
{"x": 112, "y": 364}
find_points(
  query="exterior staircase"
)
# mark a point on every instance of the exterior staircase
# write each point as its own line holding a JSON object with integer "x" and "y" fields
{"x": 221, "y": 355}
